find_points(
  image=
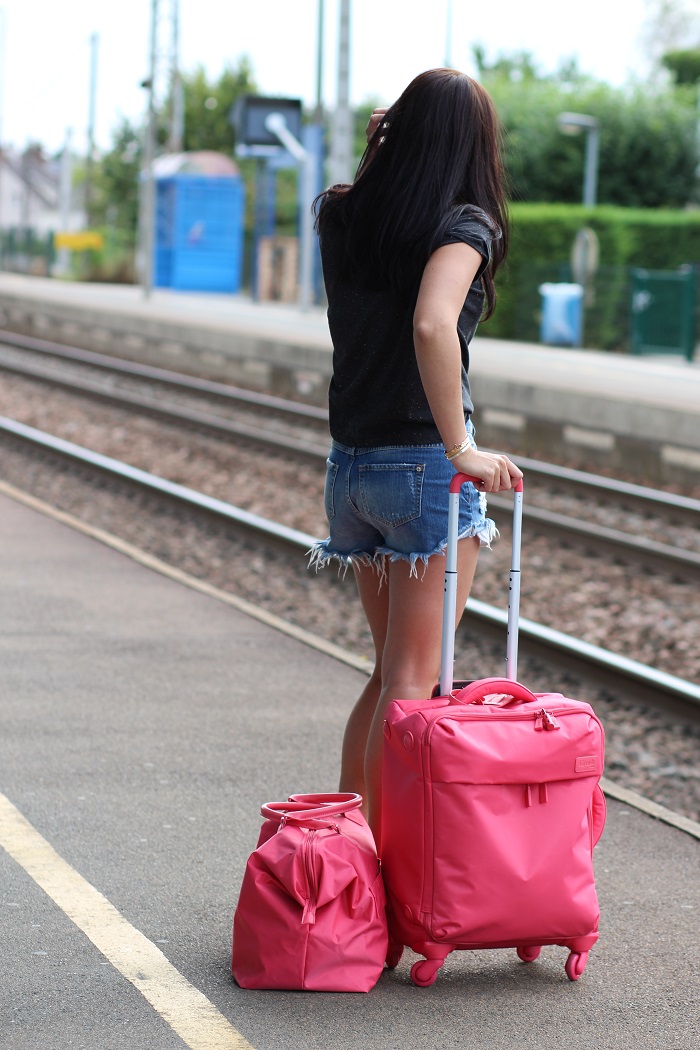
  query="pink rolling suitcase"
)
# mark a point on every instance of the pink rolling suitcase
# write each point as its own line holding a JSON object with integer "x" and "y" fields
{"x": 491, "y": 808}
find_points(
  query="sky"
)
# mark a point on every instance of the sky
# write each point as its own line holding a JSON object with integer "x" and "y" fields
{"x": 45, "y": 49}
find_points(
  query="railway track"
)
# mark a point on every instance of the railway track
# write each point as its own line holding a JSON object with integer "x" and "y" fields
{"x": 660, "y": 511}
{"x": 619, "y": 674}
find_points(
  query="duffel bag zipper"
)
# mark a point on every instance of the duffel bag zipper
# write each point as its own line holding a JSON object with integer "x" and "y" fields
{"x": 309, "y": 848}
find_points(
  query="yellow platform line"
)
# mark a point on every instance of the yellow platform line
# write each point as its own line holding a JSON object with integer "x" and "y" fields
{"x": 188, "y": 1012}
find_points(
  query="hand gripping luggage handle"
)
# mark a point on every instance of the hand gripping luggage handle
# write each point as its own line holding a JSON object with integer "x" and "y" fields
{"x": 475, "y": 692}
{"x": 450, "y": 602}
{"x": 311, "y": 814}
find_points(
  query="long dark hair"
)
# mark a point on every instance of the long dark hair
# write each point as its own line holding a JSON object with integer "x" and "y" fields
{"x": 436, "y": 153}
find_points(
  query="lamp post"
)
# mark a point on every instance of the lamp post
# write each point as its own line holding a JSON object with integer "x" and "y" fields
{"x": 574, "y": 124}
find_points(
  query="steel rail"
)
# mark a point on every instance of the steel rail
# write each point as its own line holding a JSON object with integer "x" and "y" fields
{"x": 622, "y": 546}
{"x": 603, "y": 486}
{"x": 594, "y": 483}
{"x": 619, "y": 674}
{"x": 177, "y": 380}
{"x": 170, "y": 412}
{"x": 603, "y": 540}
{"x": 638, "y": 495}
{"x": 153, "y": 483}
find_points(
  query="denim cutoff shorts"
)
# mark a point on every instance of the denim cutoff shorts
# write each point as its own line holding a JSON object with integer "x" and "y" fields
{"x": 392, "y": 502}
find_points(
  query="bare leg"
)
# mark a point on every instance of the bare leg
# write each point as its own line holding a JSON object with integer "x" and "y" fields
{"x": 405, "y": 618}
{"x": 375, "y": 602}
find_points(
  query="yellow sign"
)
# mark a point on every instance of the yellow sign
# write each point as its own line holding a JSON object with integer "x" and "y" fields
{"x": 79, "y": 242}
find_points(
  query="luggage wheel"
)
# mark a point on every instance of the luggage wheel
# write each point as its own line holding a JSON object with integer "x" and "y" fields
{"x": 575, "y": 965}
{"x": 529, "y": 953}
{"x": 393, "y": 956}
{"x": 424, "y": 972}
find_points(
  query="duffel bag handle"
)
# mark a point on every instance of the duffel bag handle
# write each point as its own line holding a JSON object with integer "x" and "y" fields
{"x": 312, "y": 815}
{"x": 475, "y": 692}
{"x": 349, "y": 799}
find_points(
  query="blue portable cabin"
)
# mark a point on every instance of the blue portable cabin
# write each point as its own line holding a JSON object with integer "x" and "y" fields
{"x": 198, "y": 223}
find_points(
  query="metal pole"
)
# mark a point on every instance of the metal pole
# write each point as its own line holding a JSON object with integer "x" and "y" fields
{"x": 318, "y": 115}
{"x": 148, "y": 217}
{"x": 590, "y": 176}
{"x": 90, "y": 160}
{"x": 177, "y": 101}
{"x": 341, "y": 142}
{"x": 63, "y": 259}
{"x": 25, "y": 213}
{"x": 448, "y": 36}
{"x": 3, "y": 30}
{"x": 276, "y": 123}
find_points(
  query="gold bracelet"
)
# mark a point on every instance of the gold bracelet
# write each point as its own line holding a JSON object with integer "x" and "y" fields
{"x": 458, "y": 449}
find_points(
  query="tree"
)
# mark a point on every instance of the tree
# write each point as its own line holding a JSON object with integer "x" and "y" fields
{"x": 208, "y": 105}
{"x": 116, "y": 201}
{"x": 684, "y": 66}
{"x": 670, "y": 25}
{"x": 648, "y": 141}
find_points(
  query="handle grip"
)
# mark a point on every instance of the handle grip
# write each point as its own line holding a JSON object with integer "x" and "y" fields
{"x": 349, "y": 799}
{"x": 311, "y": 811}
{"x": 461, "y": 479}
{"x": 475, "y": 692}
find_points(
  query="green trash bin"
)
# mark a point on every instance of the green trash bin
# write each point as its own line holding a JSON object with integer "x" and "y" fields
{"x": 663, "y": 311}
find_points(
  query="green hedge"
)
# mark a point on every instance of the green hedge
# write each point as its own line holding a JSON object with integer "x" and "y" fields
{"x": 540, "y": 250}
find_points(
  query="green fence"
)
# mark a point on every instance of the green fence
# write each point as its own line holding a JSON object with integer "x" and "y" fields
{"x": 26, "y": 251}
{"x": 663, "y": 308}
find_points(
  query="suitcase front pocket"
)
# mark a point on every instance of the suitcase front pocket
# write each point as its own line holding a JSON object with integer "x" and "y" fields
{"x": 510, "y": 862}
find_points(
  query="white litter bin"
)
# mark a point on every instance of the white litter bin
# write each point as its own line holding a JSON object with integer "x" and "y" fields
{"x": 562, "y": 314}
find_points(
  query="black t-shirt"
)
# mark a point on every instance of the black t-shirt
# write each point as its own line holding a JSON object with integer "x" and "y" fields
{"x": 376, "y": 396}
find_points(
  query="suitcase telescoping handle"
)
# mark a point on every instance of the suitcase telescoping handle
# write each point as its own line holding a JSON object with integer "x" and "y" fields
{"x": 450, "y": 602}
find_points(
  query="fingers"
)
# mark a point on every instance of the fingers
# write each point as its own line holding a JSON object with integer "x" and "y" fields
{"x": 374, "y": 121}
{"x": 496, "y": 472}
{"x": 503, "y": 475}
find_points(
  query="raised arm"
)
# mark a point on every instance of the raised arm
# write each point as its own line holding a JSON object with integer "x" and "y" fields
{"x": 444, "y": 287}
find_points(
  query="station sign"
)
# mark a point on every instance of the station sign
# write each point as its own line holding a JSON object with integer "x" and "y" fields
{"x": 80, "y": 241}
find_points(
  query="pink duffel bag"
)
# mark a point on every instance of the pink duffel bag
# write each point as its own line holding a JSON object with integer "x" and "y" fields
{"x": 311, "y": 912}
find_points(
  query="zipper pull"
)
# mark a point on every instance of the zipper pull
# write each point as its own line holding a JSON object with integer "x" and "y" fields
{"x": 549, "y": 721}
{"x": 543, "y": 720}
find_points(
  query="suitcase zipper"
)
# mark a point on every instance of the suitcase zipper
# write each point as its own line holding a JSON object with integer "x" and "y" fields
{"x": 309, "y": 857}
{"x": 545, "y": 720}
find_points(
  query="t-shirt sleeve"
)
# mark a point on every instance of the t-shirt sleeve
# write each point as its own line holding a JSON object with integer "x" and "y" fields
{"x": 476, "y": 230}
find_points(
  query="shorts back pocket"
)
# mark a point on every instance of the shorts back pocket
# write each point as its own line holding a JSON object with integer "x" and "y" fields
{"x": 390, "y": 493}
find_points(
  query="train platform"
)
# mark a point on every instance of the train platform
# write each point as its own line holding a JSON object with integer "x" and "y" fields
{"x": 612, "y": 405}
{"x": 145, "y": 717}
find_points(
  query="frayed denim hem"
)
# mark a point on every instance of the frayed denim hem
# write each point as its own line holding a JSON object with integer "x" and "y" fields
{"x": 320, "y": 555}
